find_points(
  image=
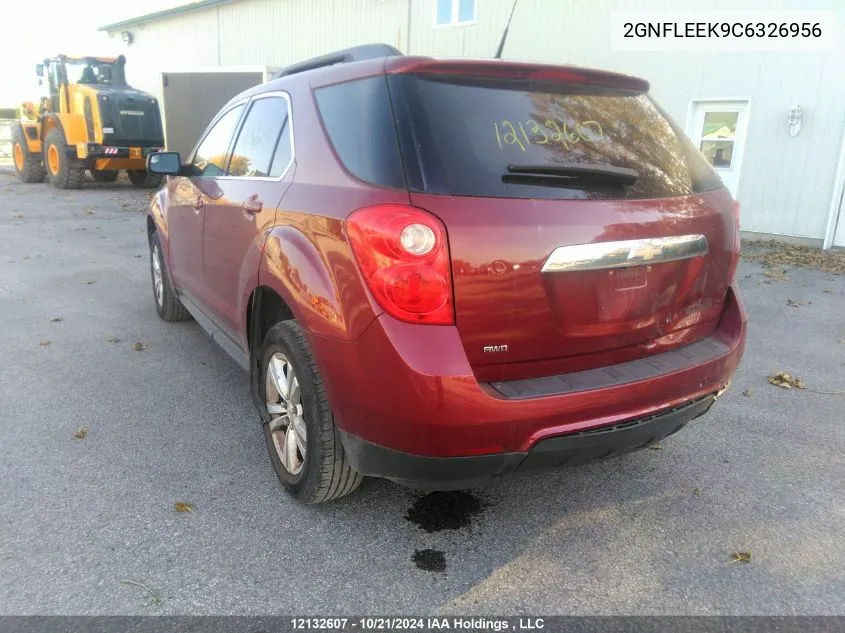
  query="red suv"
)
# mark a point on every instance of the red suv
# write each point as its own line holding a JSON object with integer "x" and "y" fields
{"x": 444, "y": 271}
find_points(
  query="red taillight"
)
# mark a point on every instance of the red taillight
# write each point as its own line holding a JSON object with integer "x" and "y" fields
{"x": 403, "y": 255}
{"x": 737, "y": 241}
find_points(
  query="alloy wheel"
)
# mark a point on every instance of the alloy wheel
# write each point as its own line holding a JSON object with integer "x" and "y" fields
{"x": 158, "y": 278}
{"x": 287, "y": 418}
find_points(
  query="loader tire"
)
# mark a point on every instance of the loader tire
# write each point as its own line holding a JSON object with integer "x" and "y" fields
{"x": 64, "y": 172}
{"x": 28, "y": 165}
{"x": 143, "y": 179}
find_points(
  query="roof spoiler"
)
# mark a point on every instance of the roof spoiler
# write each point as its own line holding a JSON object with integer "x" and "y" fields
{"x": 354, "y": 54}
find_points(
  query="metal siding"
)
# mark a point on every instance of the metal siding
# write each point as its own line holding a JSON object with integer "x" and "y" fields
{"x": 280, "y": 32}
{"x": 785, "y": 185}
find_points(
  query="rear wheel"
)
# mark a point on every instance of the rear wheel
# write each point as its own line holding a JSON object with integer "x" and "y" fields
{"x": 27, "y": 164}
{"x": 104, "y": 175}
{"x": 143, "y": 179}
{"x": 168, "y": 306}
{"x": 65, "y": 172}
{"x": 304, "y": 444}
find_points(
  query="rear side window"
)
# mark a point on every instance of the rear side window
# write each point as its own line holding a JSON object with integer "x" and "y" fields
{"x": 259, "y": 137}
{"x": 514, "y": 139}
{"x": 358, "y": 118}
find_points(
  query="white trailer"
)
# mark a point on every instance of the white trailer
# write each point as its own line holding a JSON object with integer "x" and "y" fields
{"x": 191, "y": 98}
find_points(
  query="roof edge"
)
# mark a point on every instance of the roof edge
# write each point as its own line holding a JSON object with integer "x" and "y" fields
{"x": 165, "y": 13}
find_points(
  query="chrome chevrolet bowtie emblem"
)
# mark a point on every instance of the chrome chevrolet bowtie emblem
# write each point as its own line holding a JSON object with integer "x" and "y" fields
{"x": 646, "y": 252}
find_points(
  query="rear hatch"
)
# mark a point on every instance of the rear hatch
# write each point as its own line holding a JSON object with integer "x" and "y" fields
{"x": 584, "y": 228}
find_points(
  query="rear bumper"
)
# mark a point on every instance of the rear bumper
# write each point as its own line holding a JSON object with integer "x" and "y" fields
{"x": 94, "y": 151}
{"x": 459, "y": 473}
{"x": 409, "y": 390}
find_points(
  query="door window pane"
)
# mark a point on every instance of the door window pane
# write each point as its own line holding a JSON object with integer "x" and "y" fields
{"x": 210, "y": 157}
{"x": 718, "y": 153}
{"x": 719, "y": 125}
{"x": 717, "y": 137}
{"x": 258, "y": 137}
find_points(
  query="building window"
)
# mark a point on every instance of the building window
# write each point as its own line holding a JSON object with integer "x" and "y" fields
{"x": 454, "y": 12}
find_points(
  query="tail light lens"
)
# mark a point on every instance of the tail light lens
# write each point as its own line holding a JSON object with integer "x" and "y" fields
{"x": 737, "y": 241}
{"x": 403, "y": 255}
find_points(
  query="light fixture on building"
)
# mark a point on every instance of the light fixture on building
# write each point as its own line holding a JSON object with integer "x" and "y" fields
{"x": 794, "y": 120}
{"x": 127, "y": 37}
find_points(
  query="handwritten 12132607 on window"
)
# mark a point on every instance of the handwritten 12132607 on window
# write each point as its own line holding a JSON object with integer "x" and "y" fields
{"x": 564, "y": 133}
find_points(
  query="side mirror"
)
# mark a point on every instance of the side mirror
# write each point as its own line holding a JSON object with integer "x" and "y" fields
{"x": 39, "y": 69}
{"x": 167, "y": 163}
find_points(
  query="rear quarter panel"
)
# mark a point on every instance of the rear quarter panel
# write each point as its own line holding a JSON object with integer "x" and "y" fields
{"x": 307, "y": 259}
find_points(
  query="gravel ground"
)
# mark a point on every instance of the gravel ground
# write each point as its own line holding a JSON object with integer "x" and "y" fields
{"x": 88, "y": 526}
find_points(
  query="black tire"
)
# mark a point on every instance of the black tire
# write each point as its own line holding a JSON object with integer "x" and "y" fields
{"x": 143, "y": 179}
{"x": 326, "y": 472}
{"x": 69, "y": 173}
{"x": 28, "y": 165}
{"x": 168, "y": 306}
{"x": 104, "y": 175}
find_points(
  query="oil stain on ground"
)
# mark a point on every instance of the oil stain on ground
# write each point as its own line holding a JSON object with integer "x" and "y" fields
{"x": 445, "y": 510}
{"x": 430, "y": 560}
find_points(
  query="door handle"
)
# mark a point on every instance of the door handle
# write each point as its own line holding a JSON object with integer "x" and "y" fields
{"x": 252, "y": 205}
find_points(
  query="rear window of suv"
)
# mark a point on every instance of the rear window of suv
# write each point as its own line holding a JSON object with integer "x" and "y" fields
{"x": 498, "y": 138}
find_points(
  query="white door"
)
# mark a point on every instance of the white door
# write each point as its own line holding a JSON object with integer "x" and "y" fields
{"x": 718, "y": 129}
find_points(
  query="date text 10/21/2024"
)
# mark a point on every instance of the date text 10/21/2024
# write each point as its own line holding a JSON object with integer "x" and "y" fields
{"x": 417, "y": 624}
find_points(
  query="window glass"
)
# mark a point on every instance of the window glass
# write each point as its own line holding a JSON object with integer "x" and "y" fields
{"x": 466, "y": 10}
{"x": 530, "y": 140}
{"x": 359, "y": 121}
{"x": 717, "y": 138}
{"x": 258, "y": 138}
{"x": 210, "y": 157}
{"x": 444, "y": 11}
{"x": 284, "y": 151}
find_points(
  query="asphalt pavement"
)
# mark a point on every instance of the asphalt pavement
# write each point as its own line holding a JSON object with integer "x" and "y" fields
{"x": 89, "y": 526}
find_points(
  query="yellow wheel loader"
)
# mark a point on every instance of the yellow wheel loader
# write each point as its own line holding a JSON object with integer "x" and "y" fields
{"x": 91, "y": 120}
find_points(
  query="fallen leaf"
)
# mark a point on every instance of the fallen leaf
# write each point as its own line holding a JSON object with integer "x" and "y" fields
{"x": 748, "y": 393}
{"x": 56, "y": 319}
{"x": 771, "y": 253}
{"x": 656, "y": 446}
{"x": 183, "y": 506}
{"x": 741, "y": 557}
{"x": 139, "y": 347}
{"x": 778, "y": 274}
{"x": 44, "y": 343}
{"x": 80, "y": 433}
{"x": 89, "y": 282}
{"x": 112, "y": 339}
{"x": 696, "y": 491}
{"x": 828, "y": 291}
{"x": 795, "y": 303}
{"x": 89, "y": 211}
{"x": 786, "y": 381}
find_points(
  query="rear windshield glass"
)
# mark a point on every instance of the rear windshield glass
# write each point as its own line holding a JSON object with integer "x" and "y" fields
{"x": 540, "y": 141}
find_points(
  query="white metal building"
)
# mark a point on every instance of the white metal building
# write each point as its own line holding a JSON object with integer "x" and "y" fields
{"x": 735, "y": 106}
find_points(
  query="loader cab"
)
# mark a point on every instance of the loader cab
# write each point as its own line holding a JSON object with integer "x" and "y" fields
{"x": 62, "y": 73}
